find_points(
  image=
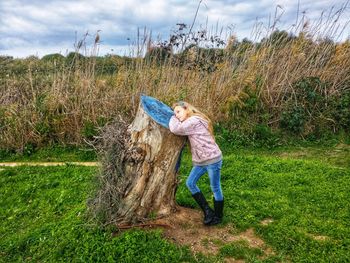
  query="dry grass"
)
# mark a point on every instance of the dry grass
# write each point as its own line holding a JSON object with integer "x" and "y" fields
{"x": 110, "y": 146}
{"x": 65, "y": 105}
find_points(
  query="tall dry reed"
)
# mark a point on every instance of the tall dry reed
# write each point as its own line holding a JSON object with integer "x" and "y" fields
{"x": 46, "y": 102}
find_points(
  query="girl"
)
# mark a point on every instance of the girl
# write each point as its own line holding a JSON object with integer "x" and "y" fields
{"x": 206, "y": 156}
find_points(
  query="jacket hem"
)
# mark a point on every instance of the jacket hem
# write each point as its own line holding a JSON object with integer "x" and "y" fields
{"x": 207, "y": 162}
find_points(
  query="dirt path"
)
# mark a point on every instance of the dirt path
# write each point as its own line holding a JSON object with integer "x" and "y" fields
{"x": 185, "y": 227}
{"x": 13, "y": 164}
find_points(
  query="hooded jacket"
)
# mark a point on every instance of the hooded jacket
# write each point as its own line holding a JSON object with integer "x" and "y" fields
{"x": 204, "y": 149}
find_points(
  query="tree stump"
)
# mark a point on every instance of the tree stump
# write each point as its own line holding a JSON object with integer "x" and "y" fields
{"x": 149, "y": 176}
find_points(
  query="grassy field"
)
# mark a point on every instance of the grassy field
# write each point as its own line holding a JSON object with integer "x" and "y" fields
{"x": 304, "y": 193}
{"x": 51, "y": 154}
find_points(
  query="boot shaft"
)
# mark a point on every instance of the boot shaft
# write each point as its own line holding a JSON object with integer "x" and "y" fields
{"x": 218, "y": 208}
{"x": 202, "y": 202}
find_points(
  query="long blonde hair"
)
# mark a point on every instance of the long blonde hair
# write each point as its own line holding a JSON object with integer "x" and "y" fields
{"x": 193, "y": 111}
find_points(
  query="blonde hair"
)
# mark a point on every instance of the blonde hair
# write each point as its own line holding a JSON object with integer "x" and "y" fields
{"x": 193, "y": 111}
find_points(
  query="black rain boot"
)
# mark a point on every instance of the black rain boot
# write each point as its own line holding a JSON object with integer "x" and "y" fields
{"x": 218, "y": 208}
{"x": 202, "y": 202}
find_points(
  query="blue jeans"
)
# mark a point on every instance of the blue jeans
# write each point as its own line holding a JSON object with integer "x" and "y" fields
{"x": 214, "y": 177}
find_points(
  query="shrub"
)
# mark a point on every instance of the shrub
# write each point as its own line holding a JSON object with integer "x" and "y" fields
{"x": 293, "y": 119}
{"x": 341, "y": 111}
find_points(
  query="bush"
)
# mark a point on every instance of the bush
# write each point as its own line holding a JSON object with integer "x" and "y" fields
{"x": 53, "y": 57}
{"x": 261, "y": 136}
{"x": 305, "y": 106}
{"x": 341, "y": 111}
{"x": 157, "y": 55}
{"x": 293, "y": 119}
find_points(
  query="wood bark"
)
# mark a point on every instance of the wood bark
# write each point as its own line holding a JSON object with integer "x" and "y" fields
{"x": 150, "y": 179}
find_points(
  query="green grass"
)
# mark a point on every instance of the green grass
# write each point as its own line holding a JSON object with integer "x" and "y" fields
{"x": 42, "y": 220}
{"x": 50, "y": 154}
{"x": 240, "y": 250}
{"x": 336, "y": 155}
{"x": 306, "y": 196}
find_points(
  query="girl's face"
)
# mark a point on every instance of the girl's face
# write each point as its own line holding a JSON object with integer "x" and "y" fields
{"x": 180, "y": 113}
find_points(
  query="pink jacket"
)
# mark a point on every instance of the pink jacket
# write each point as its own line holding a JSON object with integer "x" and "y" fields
{"x": 203, "y": 146}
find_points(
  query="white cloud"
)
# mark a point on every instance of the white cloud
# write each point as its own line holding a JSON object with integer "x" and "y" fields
{"x": 39, "y": 26}
{"x": 19, "y": 25}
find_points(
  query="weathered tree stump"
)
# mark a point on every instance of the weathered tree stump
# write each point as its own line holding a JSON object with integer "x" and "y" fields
{"x": 149, "y": 176}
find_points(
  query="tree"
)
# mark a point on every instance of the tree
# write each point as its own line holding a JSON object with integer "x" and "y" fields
{"x": 278, "y": 38}
{"x": 138, "y": 177}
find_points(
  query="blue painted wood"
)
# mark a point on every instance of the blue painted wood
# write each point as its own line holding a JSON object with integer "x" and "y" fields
{"x": 157, "y": 110}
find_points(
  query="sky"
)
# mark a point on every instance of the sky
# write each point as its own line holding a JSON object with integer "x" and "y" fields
{"x": 40, "y": 27}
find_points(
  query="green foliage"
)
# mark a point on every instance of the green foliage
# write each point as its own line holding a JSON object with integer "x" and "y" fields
{"x": 157, "y": 55}
{"x": 44, "y": 129}
{"x": 240, "y": 250}
{"x": 341, "y": 112}
{"x": 58, "y": 99}
{"x": 309, "y": 91}
{"x": 263, "y": 136}
{"x": 4, "y": 58}
{"x": 53, "y": 57}
{"x": 44, "y": 221}
{"x": 29, "y": 149}
{"x": 305, "y": 106}
{"x": 249, "y": 119}
{"x": 310, "y": 112}
{"x": 260, "y": 136}
{"x": 51, "y": 153}
{"x": 230, "y": 138}
{"x": 293, "y": 119}
{"x": 108, "y": 65}
{"x": 278, "y": 39}
{"x": 89, "y": 130}
{"x": 306, "y": 198}
{"x": 198, "y": 58}
{"x": 73, "y": 57}
{"x": 42, "y": 211}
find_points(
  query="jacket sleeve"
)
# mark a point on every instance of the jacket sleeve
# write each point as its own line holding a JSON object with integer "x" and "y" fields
{"x": 186, "y": 127}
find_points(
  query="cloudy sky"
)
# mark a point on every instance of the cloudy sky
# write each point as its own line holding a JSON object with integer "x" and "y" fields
{"x": 39, "y": 27}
